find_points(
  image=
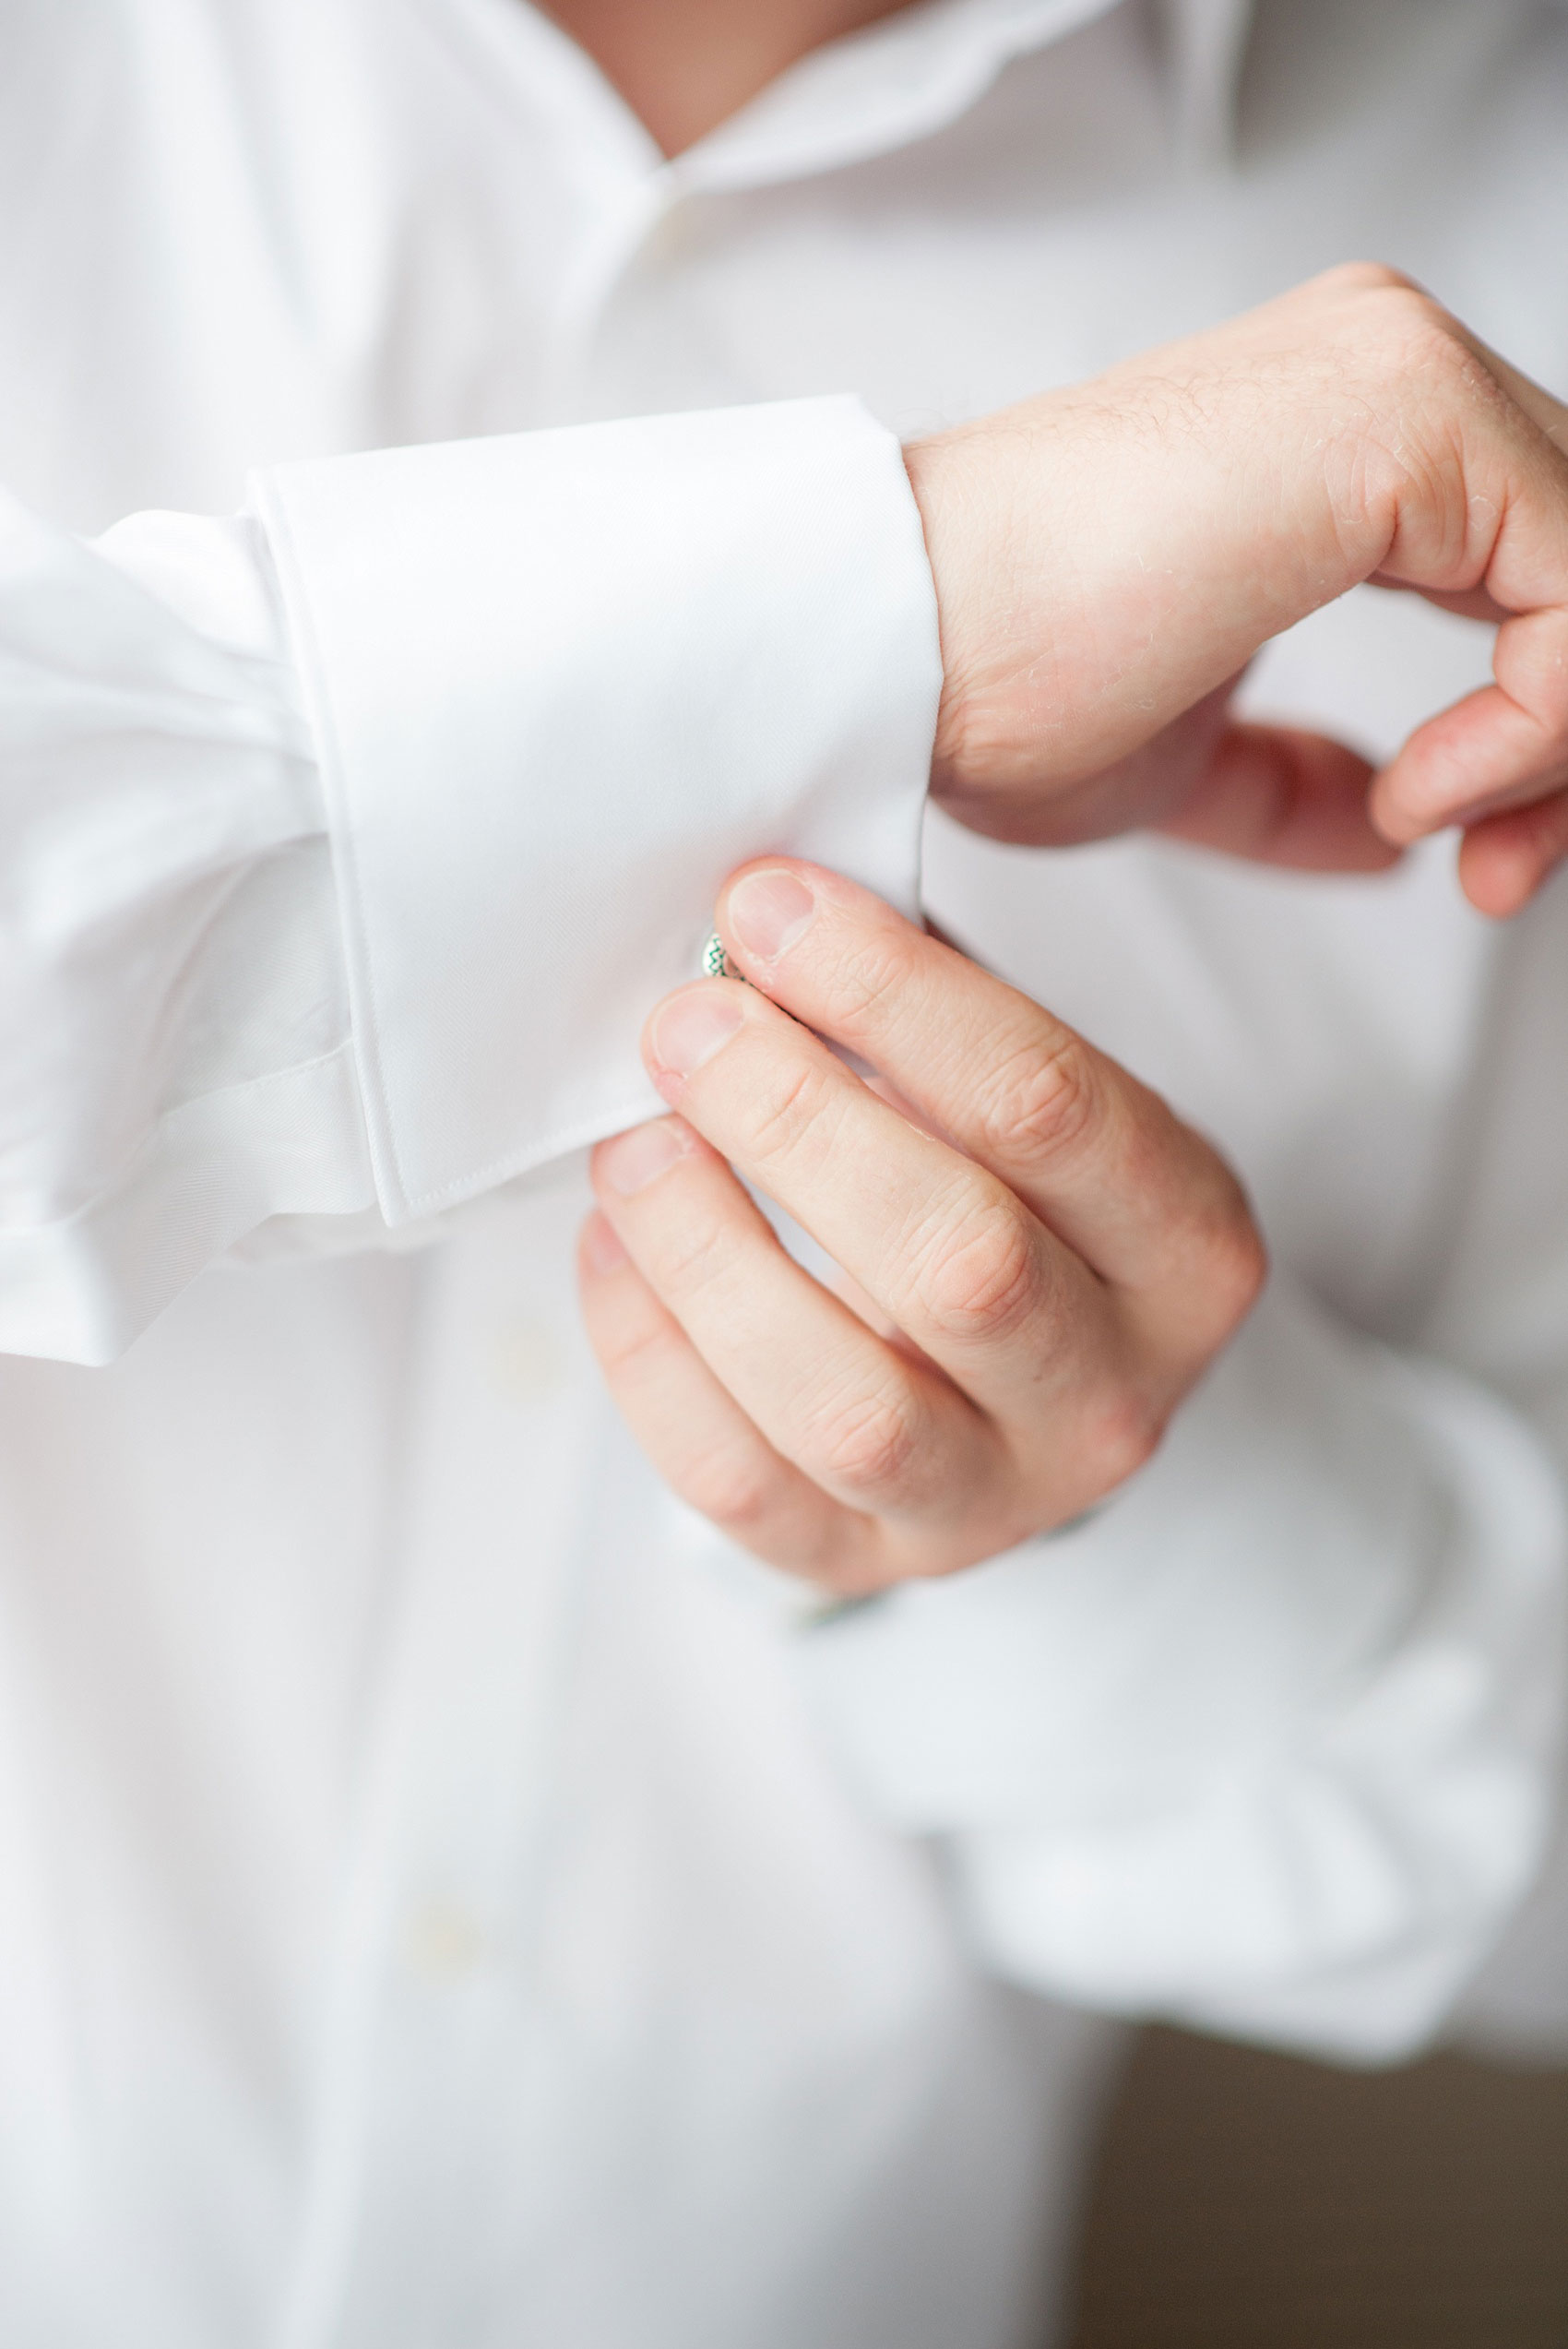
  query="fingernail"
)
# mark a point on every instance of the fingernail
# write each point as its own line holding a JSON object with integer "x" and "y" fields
{"x": 603, "y": 1251}
{"x": 767, "y": 912}
{"x": 634, "y": 1160}
{"x": 691, "y": 1027}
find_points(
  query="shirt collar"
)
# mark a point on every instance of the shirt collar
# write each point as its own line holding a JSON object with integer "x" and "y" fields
{"x": 897, "y": 80}
{"x": 906, "y": 76}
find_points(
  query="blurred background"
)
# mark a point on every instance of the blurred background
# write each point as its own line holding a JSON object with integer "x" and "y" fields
{"x": 1248, "y": 2200}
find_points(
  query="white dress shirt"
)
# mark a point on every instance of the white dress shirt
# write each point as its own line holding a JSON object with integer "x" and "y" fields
{"x": 448, "y": 1897}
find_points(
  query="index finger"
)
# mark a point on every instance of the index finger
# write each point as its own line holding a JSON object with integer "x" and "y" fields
{"x": 1505, "y": 747}
{"x": 1097, "y": 1156}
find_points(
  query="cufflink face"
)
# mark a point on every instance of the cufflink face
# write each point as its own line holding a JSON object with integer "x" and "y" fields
{"x": 716, "y": 963}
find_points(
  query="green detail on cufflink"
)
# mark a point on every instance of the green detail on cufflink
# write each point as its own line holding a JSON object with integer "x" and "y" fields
{"x": 716, "y": 963}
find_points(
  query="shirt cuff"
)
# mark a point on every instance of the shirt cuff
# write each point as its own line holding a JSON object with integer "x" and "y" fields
{"x": 562, "y": 684}
{"x": 1268, "y": 1743}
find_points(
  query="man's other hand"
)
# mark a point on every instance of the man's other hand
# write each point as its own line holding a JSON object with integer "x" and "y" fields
{"x": 1107, "y": 558}
{"x": 1040, "y": 1258}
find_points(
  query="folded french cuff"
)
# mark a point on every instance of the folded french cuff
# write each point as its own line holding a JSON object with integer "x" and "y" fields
{"x": 562, "y": 684}
{"x": 1269, "y": 1744}
{"x": 82, "y": 1287}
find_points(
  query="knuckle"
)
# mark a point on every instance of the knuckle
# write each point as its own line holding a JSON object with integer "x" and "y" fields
{"x": 872, "y": 1447}
{"x": 1120, "y": 1434}
{"x": 692, "y": 1258}
{"x": 1234, "y": 1265}
{"x": 626, "y": 1352}
{"x": 1209, "y": 1283}
{"x": 729, "y": 1485}
{"x": 1040, "y": 1101}
{"x": 1243, "y": 1267}
{"x": 871, "y": 980}
{"x": 1394, "y": 333}
{"x": 1420, "y": 347}
{"x": 1395, "y": 316}
{"x": 983, "y": 1277}
{"x": 786, "y": 1108}
{"x": 1368, "y": 277}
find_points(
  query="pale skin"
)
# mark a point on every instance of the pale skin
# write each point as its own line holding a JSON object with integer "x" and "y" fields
{"x": 1109, "y": 557}
{"x": 1032, "y": 1286}
{"x": 1039, "y": 1260}
{"x": 683, "y": 67}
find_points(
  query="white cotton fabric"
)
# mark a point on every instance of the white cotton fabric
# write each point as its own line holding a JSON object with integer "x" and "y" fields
{"x": 176, "y": 1027}
{"x": 215, "y": 1018}
{"x": 1081, "y": 1882}
{"x": 448, "y": 1896}
{"x": 597, "y": 657}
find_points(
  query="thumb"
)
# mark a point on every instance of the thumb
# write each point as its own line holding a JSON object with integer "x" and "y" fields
{"x": 1278, "y": 795}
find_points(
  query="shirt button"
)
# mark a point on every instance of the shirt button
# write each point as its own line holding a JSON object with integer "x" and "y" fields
{"x": 529, "y": 1362}
{"x": 444, "y": 1943}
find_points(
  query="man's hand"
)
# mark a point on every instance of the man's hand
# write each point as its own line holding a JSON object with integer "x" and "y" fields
{"x": 1107, "y": 558}
{"x": 1027, "y": 1300}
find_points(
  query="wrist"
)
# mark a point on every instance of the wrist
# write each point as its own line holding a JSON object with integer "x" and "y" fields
{"x": 935, "y": 469}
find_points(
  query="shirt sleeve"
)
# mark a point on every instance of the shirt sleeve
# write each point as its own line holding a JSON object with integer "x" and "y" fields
{"x": 347, "y": 844}
{"x": 1267, "y": 1743}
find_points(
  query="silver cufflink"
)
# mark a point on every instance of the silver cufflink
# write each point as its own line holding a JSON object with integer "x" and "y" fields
{"x": 716, "y": 963}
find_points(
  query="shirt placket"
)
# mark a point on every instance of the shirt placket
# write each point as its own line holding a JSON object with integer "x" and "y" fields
{"x": 428, "y": 2023}
{"x": 936, "y": 63}
{"x": 425, "y": 2030}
